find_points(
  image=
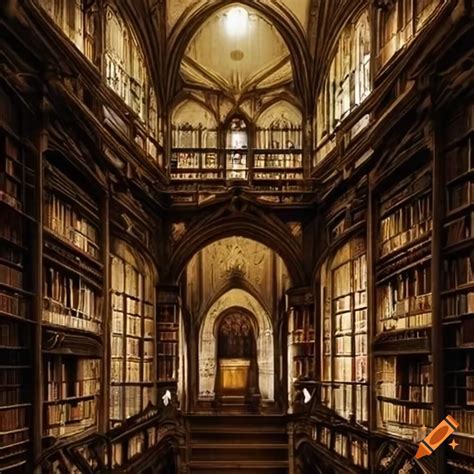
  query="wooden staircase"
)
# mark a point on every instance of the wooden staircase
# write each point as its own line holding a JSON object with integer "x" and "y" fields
{"x": 231, "y": 444}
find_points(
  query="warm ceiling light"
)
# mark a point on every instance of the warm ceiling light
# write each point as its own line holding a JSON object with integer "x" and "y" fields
{"x": 236, "y": 21}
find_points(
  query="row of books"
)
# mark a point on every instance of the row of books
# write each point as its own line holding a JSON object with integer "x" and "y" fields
{"x": 11, "y": 438}
{"x": 408, "y": 223}
{"x": 198, "y": 176}
{"x": 342, "y": 280}
{"x": 285, "y": 136}
{"x": 14, "y": 418}
{"x": 168, "y": 348}
{"x": 359, "y": 271}
{"x": 360, "y": 453}
{"x": 391, "y": 413}
{"x": 11, "y": 228}
{"x": 187, "y": 135}
{"x": 168, "y": 314}
{"x": 12, "y": 304}
{"x": 392, "y": 304}
{"x": 11, "y": 335}
{"x": 11, "y": 177}
{"x": 71, "y": 295}
{"x": 303, "y": 368}
{"x": 341, "y": 445}
{"x": 460, "y": 388}
{"x": 343, "y": 345}
{"x": 55, "y": 313}
{"x": 277, "y": 176}
{"x": 459, "y": 195}
{"x": 343, "y": 369}
{"x": 126, "y": 279}
{"x": 458, "y": 271}
{"x": 300, "y": 336}
{"x": 72, "y": 378}
{"x": 280, "y": 160}
{"x": 11, "y": 254}
{"x": 166, "y": 335}
{"x": 11, "y": 276}
{"x": 167, "y": 368}
{"x": 64, "y": 220}
{"x": 126, "y": 401}
{"x": 323, "y": 436}
{"x": 134, "y": 324}
{"x": 458, "y": 161}
{"x": 13, "y": 358}
{"x": 459, "y": 229}
{"x": 343, "y": 399}
{"x": 13, "y": 395}
{"x": 465, "y": 418}
{"x": 66, "y": 412}
{"x": 13, "y": 376}
{"x": 10, "y": 200}
{"x": 410, "y": 283}
{"x": 361, "y": 402}
{"x": 396, "y": 322}
{"x": 360, "y": 344}
{"x": 136, "y": 445}
{"x": 117, "y": 455}
{"x": 455, "y": 305}
{"x": 195, "y": 160}
{"x": 342, "y": 303}
{"x": 343, "y": 323}
{"x": 360, "y": 299}
{"x": 462, "y": 335}
{"x": 360, "y": 323}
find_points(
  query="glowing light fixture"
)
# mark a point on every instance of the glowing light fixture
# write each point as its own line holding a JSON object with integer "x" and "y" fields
{"x": 236, "y": 21}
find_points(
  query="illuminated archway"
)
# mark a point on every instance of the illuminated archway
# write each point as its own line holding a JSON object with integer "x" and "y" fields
{"x": 208, "y": 344}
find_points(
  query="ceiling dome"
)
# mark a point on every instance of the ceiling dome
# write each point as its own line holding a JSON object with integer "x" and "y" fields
{"x": 236, "y": 50}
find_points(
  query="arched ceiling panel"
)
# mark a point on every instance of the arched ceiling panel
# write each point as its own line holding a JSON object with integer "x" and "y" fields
{"x": 299, "y": 9}
{"x": 237, "y": 49}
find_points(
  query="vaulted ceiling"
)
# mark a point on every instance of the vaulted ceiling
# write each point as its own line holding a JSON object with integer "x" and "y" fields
{"x": 287, "y": 46}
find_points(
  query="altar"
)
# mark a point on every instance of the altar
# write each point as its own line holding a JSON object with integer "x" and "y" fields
{"x": 234, "y": 376}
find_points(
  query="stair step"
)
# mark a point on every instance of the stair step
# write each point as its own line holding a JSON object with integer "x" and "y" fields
{"x": 239, "y": 446}
{"x": 231, "y": 444}
{"x": 237, "y": 466}
{"x": 244, "y": 437}
{"x": 235, "y": 452}
{"x": 232, "y": 470}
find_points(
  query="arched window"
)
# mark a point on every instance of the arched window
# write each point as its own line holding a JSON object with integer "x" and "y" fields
{"x": 194, "y": 142}
{"x": 279, "y": 138}
{"x": 348, "y": 81}
{"x": 237, "y": 143}
{"x": 399, "y": 21}
{"x": 76, "y": 21}
{"x": 132, "y": 337}
{"x": 344, "y": 331}
{"x": 125, "y": 70}
{"x": 123, "y": 60}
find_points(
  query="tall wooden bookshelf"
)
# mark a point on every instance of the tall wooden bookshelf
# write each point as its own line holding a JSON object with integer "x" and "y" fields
{"x": 167, "y": 332}
{"x": 72, "y": 311}
{"x": 402, "y": 345}
{"x": 344, "y": 378}
{"x": 457, "y": 280}
{"x": 301, "y": 340}
{"x": 17, "y": 188}
{"x": 132, "y": 340}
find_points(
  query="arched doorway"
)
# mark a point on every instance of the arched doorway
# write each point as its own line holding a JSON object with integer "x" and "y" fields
{"x": 237, "y": 367}
{"x": 208, "y": 344}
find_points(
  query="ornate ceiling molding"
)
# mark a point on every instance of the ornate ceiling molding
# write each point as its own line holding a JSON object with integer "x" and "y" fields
{"x": 287, "y": 26}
